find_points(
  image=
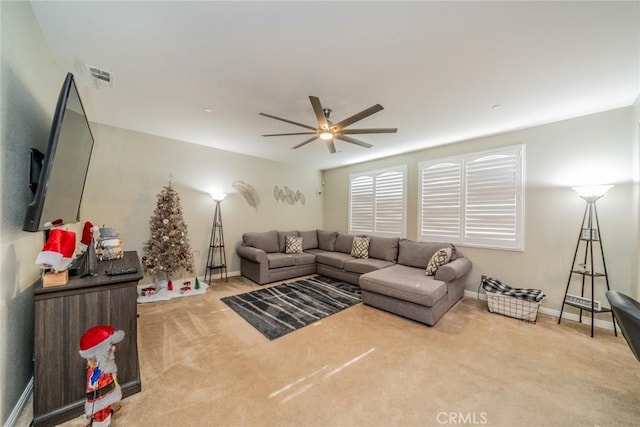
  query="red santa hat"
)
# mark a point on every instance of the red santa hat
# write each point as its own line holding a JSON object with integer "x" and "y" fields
{"x": 58, "y": 250}
{"x": 87, "y": 234}
{"x": 99, "y": 339}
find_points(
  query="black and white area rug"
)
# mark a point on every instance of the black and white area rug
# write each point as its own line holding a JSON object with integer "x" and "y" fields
{"x": 281, "y": 309}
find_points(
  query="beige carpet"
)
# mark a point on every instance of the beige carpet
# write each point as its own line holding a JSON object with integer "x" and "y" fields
{"x": 203, "y": 365}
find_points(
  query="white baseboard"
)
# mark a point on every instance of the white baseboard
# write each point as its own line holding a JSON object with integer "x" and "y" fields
{"x": 22, "y": 402}
{"x": 551, "y": 312}
{"x": 221, "y": 276}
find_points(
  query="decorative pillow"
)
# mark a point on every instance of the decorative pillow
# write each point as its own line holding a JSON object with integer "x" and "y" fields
{"x": 454, "y": 253}
{"x": 440, "y": 258}
{"x": 293, "y": 245}
{"x": 360, "y": 248}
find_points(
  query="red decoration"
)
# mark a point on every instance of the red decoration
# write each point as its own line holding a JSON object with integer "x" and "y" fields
{"x": 170, "y": 285}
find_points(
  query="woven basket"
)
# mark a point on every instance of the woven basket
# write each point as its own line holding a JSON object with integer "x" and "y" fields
{"x": 513, "y": 307}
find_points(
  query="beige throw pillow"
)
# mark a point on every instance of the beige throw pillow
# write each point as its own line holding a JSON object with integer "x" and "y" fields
{"x": 440, "y": 258}
{"x": 293, "y": 245}
{"x": 360, "y": 247}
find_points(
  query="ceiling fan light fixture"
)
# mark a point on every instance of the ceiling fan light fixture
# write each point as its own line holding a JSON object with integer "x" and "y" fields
{"x": 327, "y": 131}
{"x": 326, "y": 135}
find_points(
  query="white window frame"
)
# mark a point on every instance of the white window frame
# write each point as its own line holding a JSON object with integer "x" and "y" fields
{"x": 457, "y": 217}
{"x": 379, "y": 221}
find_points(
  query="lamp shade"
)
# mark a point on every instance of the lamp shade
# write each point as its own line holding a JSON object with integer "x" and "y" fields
{"x": 218, "y": 197}
{"x": 592, "y": 192}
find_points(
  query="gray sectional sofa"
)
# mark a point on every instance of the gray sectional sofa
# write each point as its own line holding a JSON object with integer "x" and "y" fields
{"x": 392, "y": 276}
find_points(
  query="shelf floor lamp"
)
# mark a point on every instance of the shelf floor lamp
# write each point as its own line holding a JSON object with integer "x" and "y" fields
{"x": 217, "y": 258}
{"x": 589, "y": 235}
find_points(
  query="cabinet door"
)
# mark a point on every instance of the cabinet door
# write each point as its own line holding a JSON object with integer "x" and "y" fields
{"x": 60, "y": 371}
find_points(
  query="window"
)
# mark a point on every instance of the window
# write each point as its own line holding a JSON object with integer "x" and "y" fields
{"x": 474, "y": 200}
{"x": 378, "y": 202}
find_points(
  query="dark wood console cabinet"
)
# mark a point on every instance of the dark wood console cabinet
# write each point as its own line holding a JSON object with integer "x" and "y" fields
{"x": 62, "y": 314}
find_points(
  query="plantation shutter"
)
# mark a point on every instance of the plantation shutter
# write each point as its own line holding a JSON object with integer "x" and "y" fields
{"x": 377, "y": 202}
{"x": 440, "y": 190}
{"x": 389, "y": 203}
{"x": 474, "y": 200}
{"x": 361, "y": 206}
{"x": 491, "y": 205}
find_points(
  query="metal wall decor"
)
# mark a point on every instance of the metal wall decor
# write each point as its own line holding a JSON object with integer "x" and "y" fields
{"x": 288, "y": 196}
{"x": 248, "y": 192}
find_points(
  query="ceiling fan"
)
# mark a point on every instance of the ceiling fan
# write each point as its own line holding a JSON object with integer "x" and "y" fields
{"x": 328, "y": 131}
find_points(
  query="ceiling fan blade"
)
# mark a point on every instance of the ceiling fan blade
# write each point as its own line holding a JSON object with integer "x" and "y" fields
{"x": 358, "y": 116}
{"x": 306, "y": 141}
{"x": 317, "y": 108}
{"x": 285, "y": 134}
{"x": 372, "y": 130}
{"x": 353, "y": 141}
{"x": 288, "y": 121}
{"x": 331, "y": 146}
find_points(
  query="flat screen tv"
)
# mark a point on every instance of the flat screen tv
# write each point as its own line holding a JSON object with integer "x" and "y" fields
{"x": 63, "y": 168}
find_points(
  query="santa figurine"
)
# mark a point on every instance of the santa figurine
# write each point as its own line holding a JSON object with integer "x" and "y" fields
{"x": 97, "y": 345}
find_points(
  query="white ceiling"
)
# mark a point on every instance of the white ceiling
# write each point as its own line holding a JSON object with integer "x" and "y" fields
{"x": 436, "y": 67}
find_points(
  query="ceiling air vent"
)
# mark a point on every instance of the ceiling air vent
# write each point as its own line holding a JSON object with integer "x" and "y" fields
{"x": 100, "y": 76}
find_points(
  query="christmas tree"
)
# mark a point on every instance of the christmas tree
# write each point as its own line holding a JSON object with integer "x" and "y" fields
{"x": 168, "y": 249}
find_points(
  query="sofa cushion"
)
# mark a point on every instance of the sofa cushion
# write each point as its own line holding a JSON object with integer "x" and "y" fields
{"x": 282, "y": 239}
{"x": 293, "y": 245}
{"x": 327, "y": 239}
{"x": 361, "y": 265}
{"x": 404, "y": 283}
{"x": 385, "y": 248}
{"x": 417, "y": 254}
{"x": 360, "y": 248}
{"x": 304, "y": 259}
{"x": 265, "y": 240}
{"x": 277, "y": 260}
{"x": 344, "y": 243}
{"x": 440, "y": 258}
{"x": 334, "y": 259}
{"x": 309, "y": 239}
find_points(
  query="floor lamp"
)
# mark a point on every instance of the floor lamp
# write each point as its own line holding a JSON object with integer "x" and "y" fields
{"x": 589, "y": 233}
{"x": 217, "y": 258}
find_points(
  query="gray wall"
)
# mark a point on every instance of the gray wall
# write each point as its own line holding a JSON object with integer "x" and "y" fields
{"x": 30, "y": 86}
{"x": 599, "y": 148}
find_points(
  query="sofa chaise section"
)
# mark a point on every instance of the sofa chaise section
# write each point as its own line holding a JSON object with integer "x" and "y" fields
{"x": 405, "y": 288}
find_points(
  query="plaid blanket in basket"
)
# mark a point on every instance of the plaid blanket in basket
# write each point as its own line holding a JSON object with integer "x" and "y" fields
{"x": 494, "y": 285}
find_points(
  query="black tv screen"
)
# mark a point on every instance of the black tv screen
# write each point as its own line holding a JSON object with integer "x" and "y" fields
{"x": 63, "y": 172}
